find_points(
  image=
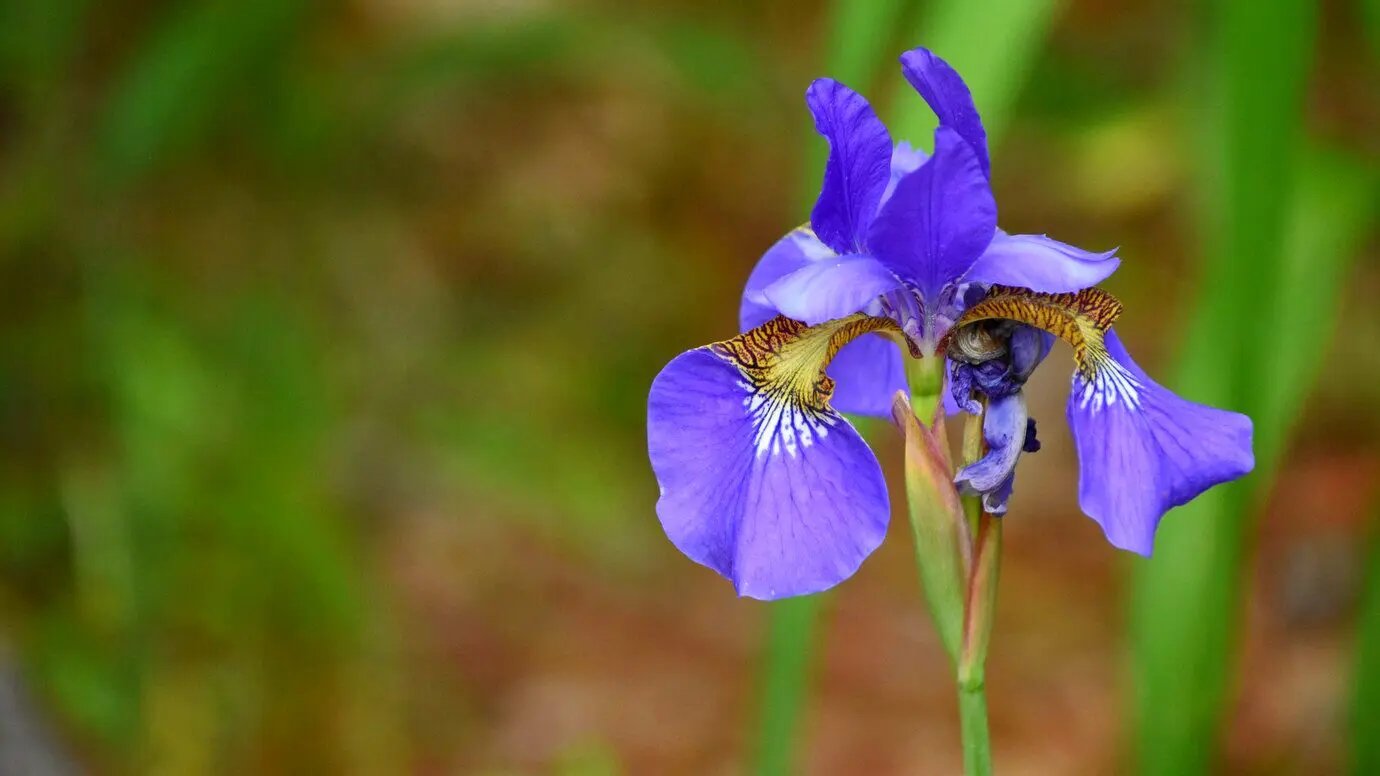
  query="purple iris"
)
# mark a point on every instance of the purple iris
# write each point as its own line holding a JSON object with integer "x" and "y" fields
{"x": 763, "y": 480}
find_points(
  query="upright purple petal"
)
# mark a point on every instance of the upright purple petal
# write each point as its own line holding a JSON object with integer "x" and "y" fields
{"x": 859, "y": 164}
{"x": 780, "y": 499}
{"x": 948, "y": 97}
{"x": 904, "y": 161}
{"x": 1038, "y": 263}
{"x": 1004, "y": 428}
{"x": 938, "y": 221}
{"x": 867, "y": 374}
{"x": 797, "y": 249}
{"x": 829, "y": 289}
{"x": 1143, "y": 450}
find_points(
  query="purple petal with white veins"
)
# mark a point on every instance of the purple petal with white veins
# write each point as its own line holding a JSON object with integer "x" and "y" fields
{"x": 867, "y": 374}
{"x": 904, "y": 161}
{"x": 1038, "y": 263}
{"x": 797, "y": 249}
{"x": 1143, "y": 450}
{"x": 781, "y": 500}
{"x": 1004, "y": 429}
{"x": 948, "y": 97}
{"x": 859, "y": 164}
{"x": 824, "y": 290}
{"x": 938, "y": 221}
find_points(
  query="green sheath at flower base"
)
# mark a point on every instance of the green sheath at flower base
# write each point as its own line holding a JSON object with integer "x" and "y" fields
{"x": 984, "y": 569}
{"x": 936, "y": 517}
{"x": 926, "y": 376}
{"x": 982, "y": 602}
{"x": 981, "y": 587}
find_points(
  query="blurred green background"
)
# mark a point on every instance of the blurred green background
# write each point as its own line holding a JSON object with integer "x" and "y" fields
{"x": 327, "y": 331}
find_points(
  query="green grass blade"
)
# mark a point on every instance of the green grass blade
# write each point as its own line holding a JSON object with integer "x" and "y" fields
{"x": 1365, "y": 700}
{"x": 1186, "y": 660}
{"x": 1332, "y": 212}
{"x": 1185, "y": 602}
{"x": 178, "y": 83}
{"x": 1370, "y": 16}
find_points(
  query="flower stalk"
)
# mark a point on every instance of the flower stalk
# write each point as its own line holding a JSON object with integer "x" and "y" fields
{"x": 958, "y": 554}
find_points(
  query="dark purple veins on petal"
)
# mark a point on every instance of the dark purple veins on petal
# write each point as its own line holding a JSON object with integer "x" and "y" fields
{"x": 859, "y": 164}
{"x": 939, "y": 219}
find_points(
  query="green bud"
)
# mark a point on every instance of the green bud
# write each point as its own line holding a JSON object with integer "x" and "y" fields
{"x": 943, "y": 542}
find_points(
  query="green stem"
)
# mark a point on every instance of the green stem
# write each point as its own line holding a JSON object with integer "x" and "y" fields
{"x": 977, "y": 627}
{"x": 789, "y": 639}
{"x": 972, "y": 717}
{"x": 926, "y": 376}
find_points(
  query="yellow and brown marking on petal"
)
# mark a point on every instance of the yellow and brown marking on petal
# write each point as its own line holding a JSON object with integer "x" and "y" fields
{"x": 1080, "y": 319}
{"x": 785, "y": 359}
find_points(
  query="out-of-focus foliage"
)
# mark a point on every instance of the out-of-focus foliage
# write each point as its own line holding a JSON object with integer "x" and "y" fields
{"x": 326, "y": 336}
{"x": 1365, "y": 694}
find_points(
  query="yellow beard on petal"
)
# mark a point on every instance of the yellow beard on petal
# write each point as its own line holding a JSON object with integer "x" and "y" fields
{"x": 784, "y": 359}
{"x": 1080, "y": 319}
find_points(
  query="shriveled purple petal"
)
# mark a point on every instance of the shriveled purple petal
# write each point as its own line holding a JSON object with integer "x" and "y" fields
{"x": 904, "y": 160}
{"x": 948, "y": 97}
{"x": 859, "y": 164}
{"x": 959, "y": 387}
{"x": 1004, "y": 427}
{"x": 1143, "y": 450}
{"x": 779, "y": 500}
{"x": 1038, "y": 263}
{"x": 867, "y": 373}
{"x": 829, "y": 289}
{"x": 938, "y": 221}
{"x": 797, "y": 249}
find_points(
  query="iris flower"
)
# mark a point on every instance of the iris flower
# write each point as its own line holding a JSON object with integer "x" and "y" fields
{"x": 764, "y": 480}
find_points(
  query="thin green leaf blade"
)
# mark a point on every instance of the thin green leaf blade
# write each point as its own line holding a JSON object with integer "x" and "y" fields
{"x": 1182, "y": 664}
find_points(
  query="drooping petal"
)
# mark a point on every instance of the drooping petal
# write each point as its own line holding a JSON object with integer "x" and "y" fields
{"x": 938, "y": 221}
{"x": 799, "y": 248}
{"x": 904, "y": 160}
{"x": 1004, "y": 428}
{"x": 829, "y": 289}
{"x": 948, "y": 97}
{"x": 760, "y": 479}
{"x": 859, "y": 164}
{"x": 867, "y": 374}
{"x": 1038, "y": 263}
{"x": 1143, "y": 450}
